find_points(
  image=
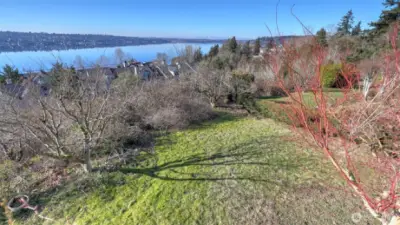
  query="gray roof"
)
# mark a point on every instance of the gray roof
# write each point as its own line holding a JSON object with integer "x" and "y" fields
{"x": 123, "y": 70}
{"x": 96, "y": 71}
{"x": 14, "y": 90}
{"x": 173, "y": 68}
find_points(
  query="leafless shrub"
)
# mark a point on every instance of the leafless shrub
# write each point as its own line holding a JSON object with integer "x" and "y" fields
{"x": 213, "y": 84}
{"x": 69, "y": 122}
{"x": 166, "y": 104}
{"x": 369, "y": 69}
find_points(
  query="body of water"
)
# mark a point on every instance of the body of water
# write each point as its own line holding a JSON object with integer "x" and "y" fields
{"x": 35, "y": 61}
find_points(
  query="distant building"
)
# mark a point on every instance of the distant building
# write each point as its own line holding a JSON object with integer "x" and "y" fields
{"x": 42, "y": 81}
{"x": 98, "y": 74}
{"x": 173, "y": 70}
{"x": 14, "y": 90}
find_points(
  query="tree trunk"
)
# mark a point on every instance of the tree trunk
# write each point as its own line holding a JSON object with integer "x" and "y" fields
{"x": 212, "y": 102}
{"x": 87, "y": 153}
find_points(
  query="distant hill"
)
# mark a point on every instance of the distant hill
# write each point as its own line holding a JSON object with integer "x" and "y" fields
{"x": 265, "y": 40}
{"x": 27, "y": 41}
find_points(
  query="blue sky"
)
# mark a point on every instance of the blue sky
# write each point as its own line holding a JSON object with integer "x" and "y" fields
{"x": 179, "y": 18}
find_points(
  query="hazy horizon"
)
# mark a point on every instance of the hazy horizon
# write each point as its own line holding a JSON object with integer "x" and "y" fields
{"x": 160, "y": 37}
{"x": 106, "y": 34}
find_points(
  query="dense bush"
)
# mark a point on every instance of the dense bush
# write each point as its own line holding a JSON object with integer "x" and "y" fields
{"x": 330, "y": 74}
{"x": 241, "y": 87}
{"x": 277, "y": 92}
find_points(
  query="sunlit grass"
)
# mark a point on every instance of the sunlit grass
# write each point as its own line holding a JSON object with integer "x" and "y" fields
{"x": 227, "y": 171}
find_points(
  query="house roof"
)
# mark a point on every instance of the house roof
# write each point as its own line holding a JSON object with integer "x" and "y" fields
{"x": 15, "y": 90}
{"x": 123, "y": 70}
{"x": 173, "y": 68}
{"x": 96, "y": 71}
{"x": 134, "y": 63}
{"x": 184, "y": 67}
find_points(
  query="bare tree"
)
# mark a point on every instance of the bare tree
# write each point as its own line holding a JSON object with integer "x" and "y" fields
{"x": 369, "y": 69}
{"x": 212, "y": 83}
{"x": 102, "y": 61}
{"x": 69, "y": 123}
{"x": 162, "y": 104}
{"x": 79, "y": 63}
{"x": 120, "y": 56}
{"x": 186, "y": 54}
{"x": 162, "y": 57}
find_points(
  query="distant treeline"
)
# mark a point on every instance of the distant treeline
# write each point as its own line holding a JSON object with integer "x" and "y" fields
{"x": 27, "y": 41}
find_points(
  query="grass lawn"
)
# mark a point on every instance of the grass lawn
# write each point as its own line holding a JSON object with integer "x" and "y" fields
{"x": 274, "y": 107}
{"x": 332, "y": 94}
{"x": 226, "y": 171}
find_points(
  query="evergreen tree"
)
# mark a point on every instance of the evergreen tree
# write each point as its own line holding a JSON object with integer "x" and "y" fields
{"x": 346, "y": 23}
{"x": 56, "y": 73}
{"x": 257, "y": 47}
{"x": 213, "y": 51}
{"x": 357, "y": 29}
{"x": 321, "y": 37}
{"x": 387, "y": 17}
{"x": 232, "y": 44}
{"x": 246, "y": 50}
{"x": 72, "y": 69}
{"x": 197, "y": 56}
{"x": 57, "y": 67}
{"x": 11, "y": 73}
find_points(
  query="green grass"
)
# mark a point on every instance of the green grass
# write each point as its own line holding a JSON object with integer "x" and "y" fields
{"x": 308, "y": 97}
{"x": 227, "y": 171}
{"x": 274, "y": 107}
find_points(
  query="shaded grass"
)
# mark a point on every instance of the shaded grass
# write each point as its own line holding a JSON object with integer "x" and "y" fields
{"x": 308, "y": 97}
{"x": 228, "y": 171}
{"x": 274, "y": 107}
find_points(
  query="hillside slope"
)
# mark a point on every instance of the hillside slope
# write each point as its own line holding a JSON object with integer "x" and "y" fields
{"x": 228, "y": 171}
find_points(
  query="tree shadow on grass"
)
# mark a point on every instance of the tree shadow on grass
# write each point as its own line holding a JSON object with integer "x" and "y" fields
{"x": 271, "y": 97}
{"x": 248, "y": 164}
{"x": 254, "y": 161}
{"x": 282, "y": 102}
{"x": 220, "y": 117}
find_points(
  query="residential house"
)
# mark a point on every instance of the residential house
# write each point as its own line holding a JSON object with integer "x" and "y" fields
{"x": 182, "y": 66}
{"x": 41, "y": 80}
{"x": 173, "y": 70}
{"x": 97, "y": 74}
{"x": 14, "y": 90}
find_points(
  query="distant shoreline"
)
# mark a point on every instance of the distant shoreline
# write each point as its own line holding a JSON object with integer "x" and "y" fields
{"x": 36, "y": 42}
{"x": 188, "y": 43}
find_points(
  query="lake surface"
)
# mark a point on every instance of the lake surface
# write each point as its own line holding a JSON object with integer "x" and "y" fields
{"x": 34, "y": 61}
